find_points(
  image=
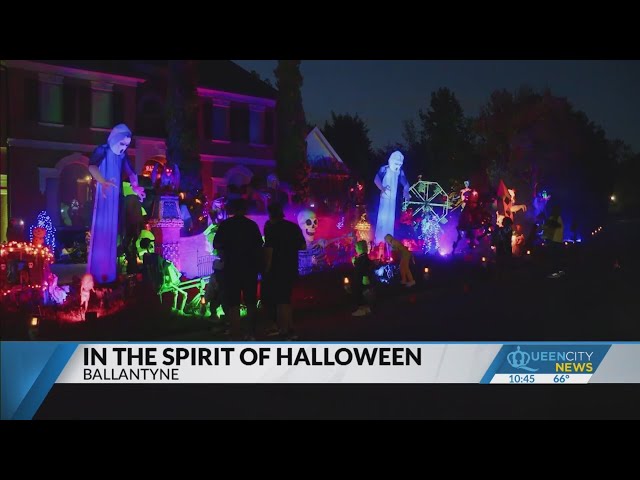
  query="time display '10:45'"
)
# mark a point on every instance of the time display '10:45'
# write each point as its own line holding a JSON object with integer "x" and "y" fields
{"x": 522, "y": 378}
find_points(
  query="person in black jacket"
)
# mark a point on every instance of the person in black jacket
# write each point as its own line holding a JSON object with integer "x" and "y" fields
{"x": 283, "y": 241}
{"x": 239, "y": 237}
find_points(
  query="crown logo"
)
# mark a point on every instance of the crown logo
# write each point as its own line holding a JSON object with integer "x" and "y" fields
{"x": 519, "y": 360}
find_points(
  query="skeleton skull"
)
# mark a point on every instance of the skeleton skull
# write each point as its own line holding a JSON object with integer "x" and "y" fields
{"x": 308, "y": 224}
{"x": 395, "y": 161}
{"x": 145, "y": 247}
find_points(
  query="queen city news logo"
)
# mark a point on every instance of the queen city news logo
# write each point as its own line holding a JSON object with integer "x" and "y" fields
{"x": 563, "y": 360}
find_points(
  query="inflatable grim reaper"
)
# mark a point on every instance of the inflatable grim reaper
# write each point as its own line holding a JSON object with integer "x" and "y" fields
{"x": 387, "y": 181}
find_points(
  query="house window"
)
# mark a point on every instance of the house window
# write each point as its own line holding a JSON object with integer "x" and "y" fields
{"x": 239, "y": 124}
{"x": 50, "y": 98}
{"x": 77, "y": 109}
{"x": 220, "y": 128}
{"x": 206, "y": 119}
{"x": 220, "y": 120}
{"x": 101, "y": 104}
{"x": 256, "y": 124}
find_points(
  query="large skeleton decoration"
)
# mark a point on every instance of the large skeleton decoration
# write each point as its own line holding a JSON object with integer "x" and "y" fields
{"x": 464, "y": 194}
{"x": 315, "y": 254}
{"x": 387, "y": 181}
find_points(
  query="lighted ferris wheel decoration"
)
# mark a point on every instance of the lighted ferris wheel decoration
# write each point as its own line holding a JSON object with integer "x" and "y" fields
{"x": 427, "y": 199}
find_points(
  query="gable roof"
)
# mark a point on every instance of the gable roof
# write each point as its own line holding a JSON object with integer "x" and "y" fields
{"x": 228, "y": 76}
{"x": 321, "y": 162}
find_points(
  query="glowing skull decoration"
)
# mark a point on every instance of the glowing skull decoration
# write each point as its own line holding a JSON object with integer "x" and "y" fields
{"x": 308, "y": 224}
{"x": 395, "y": 161}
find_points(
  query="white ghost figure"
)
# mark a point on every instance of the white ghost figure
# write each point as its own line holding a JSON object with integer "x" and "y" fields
{"x": 387, "y": 181}
{"x": 396, "y": 160}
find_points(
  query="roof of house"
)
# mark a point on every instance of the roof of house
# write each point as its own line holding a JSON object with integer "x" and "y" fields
{"x": 223, "y": 75}
{"x": 321, "y": 162}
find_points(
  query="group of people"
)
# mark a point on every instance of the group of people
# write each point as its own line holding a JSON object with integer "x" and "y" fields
{"x": 362, "y": 282}
{"x": 244, "y": 255}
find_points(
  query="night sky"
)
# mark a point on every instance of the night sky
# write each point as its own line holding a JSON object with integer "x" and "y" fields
{"x": 386, "y": 92}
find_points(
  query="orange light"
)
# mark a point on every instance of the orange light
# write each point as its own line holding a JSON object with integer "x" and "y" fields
{"x": 528, "y": 252}
{"x": 203, "y": 300}
{"x": 34, "y": 321}
{"x": 346, "y": 280}
{"x": 484, "y": 259}
{"x": 426, "y": 269}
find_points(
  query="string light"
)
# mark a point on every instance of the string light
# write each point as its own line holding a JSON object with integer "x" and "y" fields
{"x": 44, "y": 221}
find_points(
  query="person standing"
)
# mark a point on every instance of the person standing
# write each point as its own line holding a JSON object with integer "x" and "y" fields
{"x": 553, "y": 234}
{"x": 405, "y": 257}
{"x": 283, "y": 241}
{"x": 361, "y": 283}
{"x": 240, "y": 240}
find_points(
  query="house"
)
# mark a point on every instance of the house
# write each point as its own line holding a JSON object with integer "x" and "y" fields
{"x": 53, "y": 113}
{"x": 329, "y": 175}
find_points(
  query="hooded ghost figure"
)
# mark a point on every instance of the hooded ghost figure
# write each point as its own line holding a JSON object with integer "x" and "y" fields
{"x": 108, "y": 164}
{"x": 387, "y": 181}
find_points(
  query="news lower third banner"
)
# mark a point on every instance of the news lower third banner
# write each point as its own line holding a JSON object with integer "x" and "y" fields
{"x": 30, "y": 369}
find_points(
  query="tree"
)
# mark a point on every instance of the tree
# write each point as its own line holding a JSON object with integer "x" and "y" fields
{"x": 182, "y": 123}
{"x": 495, "y": 128}
{"x": 626, "y": 196}
{"x": 349, "y": 136}
{"x": 445, "y": 137}
{"x": 291, "y": 154}
{"x": 538, "y": 141}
